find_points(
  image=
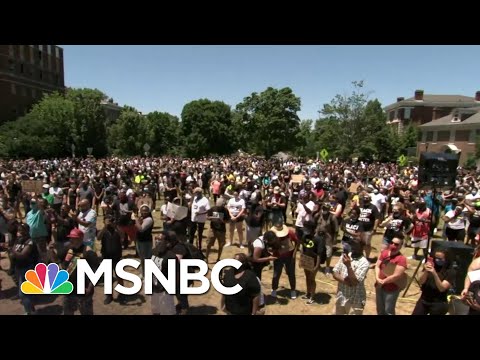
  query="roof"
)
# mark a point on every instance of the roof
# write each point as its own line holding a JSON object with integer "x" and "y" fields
{"x": 436, "y": 100}
{"x": 447, "y": 120}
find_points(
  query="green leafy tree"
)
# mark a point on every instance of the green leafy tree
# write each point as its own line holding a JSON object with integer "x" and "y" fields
{"x": 306, "y": 144}
{"x": 408, "y": 139}
{"x": 128, "y": 135}
{"x": 271, "y": 120}
{"x": 163, "y": 133}
{"x": 206, "y": 128}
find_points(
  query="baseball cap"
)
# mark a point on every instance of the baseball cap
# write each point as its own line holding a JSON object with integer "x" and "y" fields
{"x": 76, "y": 234}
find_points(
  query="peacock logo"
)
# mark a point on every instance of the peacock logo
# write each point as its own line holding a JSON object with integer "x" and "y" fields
{"x": 47, "y": 280}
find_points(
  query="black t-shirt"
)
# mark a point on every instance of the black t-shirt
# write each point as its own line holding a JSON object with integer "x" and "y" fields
{"x": 111, "y": 244}
{"x": 222, "y": 214}
{"x": 242, "y": 302}
{"x": 395, "y": 226}
{"x": 368, "y": 215}
{"x": 354, "y": 226}
{"x": 64, "y": 229}
{"x": 162, "y": 263}
{"x": 430, "y": 292}
{"x": 313, "y": 246}
{"x": 342, "y": 196}
{"x": 32, "y": 258}
{"x": 71, "y": 264}
{"x": 255, "y": 216}
{"x": 123, "y": 212}
{"x": 13, "y": 190}
{"x": 179, "y": 249}
{"x": 475, "y": 219}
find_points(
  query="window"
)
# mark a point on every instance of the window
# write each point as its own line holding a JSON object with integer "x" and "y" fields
{"x": 462, "y": 135}
{"x": 429, "y": 136}
{"x": 11, "y": 65}
{"x": 407, "y": 113}
{"x": 49, "y": 49}
{"x": 419, "y": 136}
{"x": 13, "y": 89}
{"x": 391, "y": 115}
{"x": 443, "y": 136}
{"x": 21, "y": 69}
{"x": 21, "y": 50}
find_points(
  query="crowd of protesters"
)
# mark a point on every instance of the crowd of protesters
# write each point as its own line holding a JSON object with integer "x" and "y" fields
{"x": 329, "y": 202}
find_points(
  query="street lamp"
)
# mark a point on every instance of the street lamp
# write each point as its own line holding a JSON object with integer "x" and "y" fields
{"x": 146, "y": 148}
{"x": 73, "y": 150}
{"x": 90, "y": 149}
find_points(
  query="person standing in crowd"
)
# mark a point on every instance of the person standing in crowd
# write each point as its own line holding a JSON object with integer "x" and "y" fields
{"x": 200, "y": 206}
{"x": 124, "y": 208}
{"x": 144, "y": 226}
{"x": 455, "y": 221}
{"x": 216, "y": 188}
{"x": 85, "y": 192}
{"x": 370, "y": 217}
{"x": 396, "y": 223}
{"x": 327, "y": 227}
{"x": 64, "y": 225}
{"x": 218, "y": 216}
{"x": 313, "y": 248}
{"x": 247, "y": 301}
{"x": 261, "y": 256}
{"x": 286, "y": 253}
{"x": 474, "y": 220}
{"x": 14, "y": 193}
{"x": 352, "y": 230}
{"x": 57, "y": 192}
{"x": 25, "y": 256}
{"x": 78, "y": 249}
{"x": 421, "y": 228}
{"x": 236, "y": 208}
{"x": 350, "y": 272}
{"x": 87, "y": 222}
{"x": 389, "y": 274}
{"x": 254, "y": 221}
{"x": 305, "y": 208}
{"x": 276, "y": 203}
{"x": 437, "y": 278}
{"x": 37, "y": 222}
{"x": 111, "y": 240}
{"x": 163, "y": 303}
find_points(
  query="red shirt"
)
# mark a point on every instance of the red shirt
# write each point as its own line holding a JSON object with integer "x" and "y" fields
{"x": 287, "y": 245}
{"x": 398, "y": 260}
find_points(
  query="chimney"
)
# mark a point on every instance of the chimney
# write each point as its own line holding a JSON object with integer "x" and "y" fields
{"x": 400, "y": 99}
{"x": 477, "y": 96}
{"x": 419, "y": 95}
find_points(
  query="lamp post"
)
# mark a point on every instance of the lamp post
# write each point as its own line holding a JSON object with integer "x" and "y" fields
{"x": 146, "y": 148}
{"x": 73, "y": 150}
{"x": 90, "y": 149}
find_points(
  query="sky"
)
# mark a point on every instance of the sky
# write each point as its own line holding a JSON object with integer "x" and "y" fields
{"x": 165, "y": 78}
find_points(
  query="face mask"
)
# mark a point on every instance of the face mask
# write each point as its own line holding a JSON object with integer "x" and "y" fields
{"x": 439, "y": 263}
{"x": 396, "y": 215}
{"x": 325, "y": 212}
{"x": 354, "y": 218}
{"x": 393, "y": 248}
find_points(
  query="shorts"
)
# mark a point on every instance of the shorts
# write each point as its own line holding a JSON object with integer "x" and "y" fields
{"x": 366, "y": 237}
{"x": 419, "y": 243}
{"x": 130, "y": 230}
{"x": 216, "y": 235}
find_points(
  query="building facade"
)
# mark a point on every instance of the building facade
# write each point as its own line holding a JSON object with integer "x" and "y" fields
{"x": 423, "y": 108}
{"x": 27, "y": 72}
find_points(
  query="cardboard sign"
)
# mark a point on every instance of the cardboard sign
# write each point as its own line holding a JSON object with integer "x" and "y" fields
{"x": 176, "y": 212}
{"x": 35, "y": 186}
{"x": 307, "y": 262}
{"x": 298, "y": 179}
{"x": 353, "y": 187}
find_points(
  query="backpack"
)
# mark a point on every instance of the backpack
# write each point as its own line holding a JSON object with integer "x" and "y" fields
{"x": 193, "y": 252}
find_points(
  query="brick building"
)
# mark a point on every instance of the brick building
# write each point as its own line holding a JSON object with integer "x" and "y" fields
{"x": 423, "y": 108}
{"x": 26, "y": 73}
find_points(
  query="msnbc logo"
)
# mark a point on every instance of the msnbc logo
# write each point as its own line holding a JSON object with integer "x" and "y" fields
{"x": 39, "y": 282}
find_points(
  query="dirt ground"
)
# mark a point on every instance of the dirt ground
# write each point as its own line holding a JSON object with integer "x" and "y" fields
{"x": 209, "y": 303}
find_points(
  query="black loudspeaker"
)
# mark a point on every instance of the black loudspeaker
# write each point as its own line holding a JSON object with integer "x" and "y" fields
{"x": 461, "y": 256}
{"x": 437, "y": 170}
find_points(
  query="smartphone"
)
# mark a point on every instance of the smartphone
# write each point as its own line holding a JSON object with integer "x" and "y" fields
{"x": 430, "y": 260}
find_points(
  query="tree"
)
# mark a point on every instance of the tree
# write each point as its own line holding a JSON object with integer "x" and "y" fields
{"x": 306, "y": 145}
{"x": 271, "y": 120}
{"x": 163, "y": 133}
{"x": 206, "y": 128}
{"x": 128, "y": 135}
{"x": 89, "y": 128}
{"x": 408, "y": 139}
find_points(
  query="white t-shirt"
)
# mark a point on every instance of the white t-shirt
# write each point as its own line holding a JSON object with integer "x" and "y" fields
{"x": 235, "y": 206}
{"x": 302, "y": 213}
{"x": 458, "y": 223}
{"x": 259, "y": 243}
{"x": 57, "y": 192}
{"x": 90, "y": 232}
{"x": 378, "y": 200}
{"x": 163, "y": 209}
{"x": 200, "y": 206}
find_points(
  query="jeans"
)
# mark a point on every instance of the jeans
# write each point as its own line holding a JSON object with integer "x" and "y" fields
{"x": 432, "y": 308}
{"x": 278, "y": 264}
{"x": 193, "y": 229}
{"x": 386, "y": 301}
{"x": 26, "y": 300}
{"x": 144, "y": 249}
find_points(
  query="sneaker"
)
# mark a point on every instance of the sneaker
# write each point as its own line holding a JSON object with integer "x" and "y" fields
{"x": 305, "y": 297}
{"x": 274, "y": 293}
{"x": 293, "y": 295}
{"x": 310, "y": 302}
{"x": 227, "y": 244}
{"x": 242, "y": 247}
